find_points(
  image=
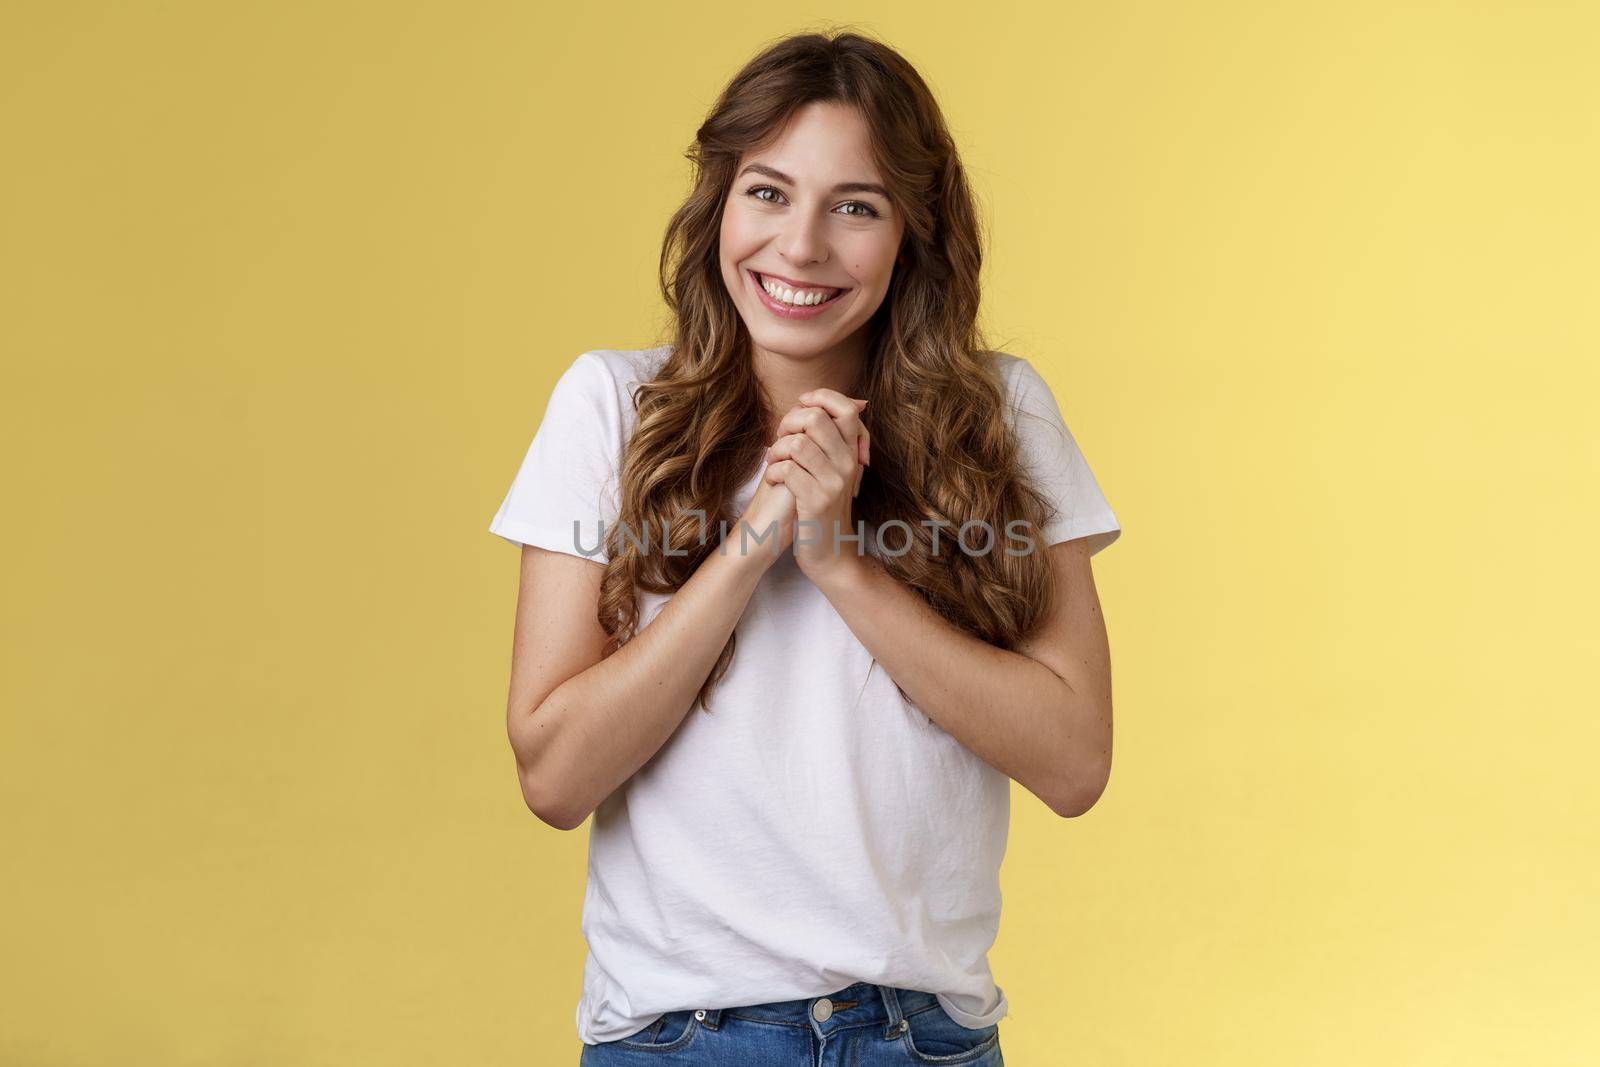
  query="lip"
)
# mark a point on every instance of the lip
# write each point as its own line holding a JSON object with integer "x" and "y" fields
{"x": 785, "y": 311}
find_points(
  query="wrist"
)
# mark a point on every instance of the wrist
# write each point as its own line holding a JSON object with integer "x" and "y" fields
{"x": 745, "y": 566}
{"x": 753, "y": 546}
{"x": 841, "y": 574}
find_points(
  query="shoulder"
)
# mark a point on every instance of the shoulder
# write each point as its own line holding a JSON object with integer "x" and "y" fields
{"x": 605, "y": 378}
{"x": 624, "y": 368}
{"x": 1022, "y": 384}
{"x": 1031, "y": 406}
{"x": 1013, "y": 371}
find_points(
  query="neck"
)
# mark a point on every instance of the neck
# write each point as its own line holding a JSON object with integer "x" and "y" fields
{"x": 784, "y": 377}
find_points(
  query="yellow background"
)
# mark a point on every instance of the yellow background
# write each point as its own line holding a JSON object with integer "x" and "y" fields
{"x": 286, "y": 287}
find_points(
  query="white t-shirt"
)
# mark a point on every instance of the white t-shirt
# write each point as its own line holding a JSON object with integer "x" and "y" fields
{"x": 818, "y": 829}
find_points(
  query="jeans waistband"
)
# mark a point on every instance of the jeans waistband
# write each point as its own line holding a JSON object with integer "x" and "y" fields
{"x": 862, "y": 1004}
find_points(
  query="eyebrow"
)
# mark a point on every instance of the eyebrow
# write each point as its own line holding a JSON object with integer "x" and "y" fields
{"x": 842, "y": 187}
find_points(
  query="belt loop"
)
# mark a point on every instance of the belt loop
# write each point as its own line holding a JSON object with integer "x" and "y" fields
{"x": 709, "y": 1018}
{"x": 897, "y": 1022}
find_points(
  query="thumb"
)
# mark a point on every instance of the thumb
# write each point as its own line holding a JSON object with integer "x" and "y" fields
{"x": 859, "y": 403}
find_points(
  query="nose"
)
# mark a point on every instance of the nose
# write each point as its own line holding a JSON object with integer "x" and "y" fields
{"x": 803, "y": 240}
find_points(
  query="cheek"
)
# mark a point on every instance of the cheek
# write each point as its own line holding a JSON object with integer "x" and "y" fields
{"x": 739, "y": 237}
{"x": 872, "y": 260}
{"x": 731, "y": 254}
{"x": 874, "y": 273}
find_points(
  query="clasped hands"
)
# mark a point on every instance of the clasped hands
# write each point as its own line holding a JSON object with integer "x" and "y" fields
{"x": 818, "y": 459}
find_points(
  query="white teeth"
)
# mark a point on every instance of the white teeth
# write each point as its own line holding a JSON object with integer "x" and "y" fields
{"x": 797, "y": 297}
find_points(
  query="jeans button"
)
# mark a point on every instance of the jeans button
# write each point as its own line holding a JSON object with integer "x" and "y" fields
{"x": 822, "y": 1010}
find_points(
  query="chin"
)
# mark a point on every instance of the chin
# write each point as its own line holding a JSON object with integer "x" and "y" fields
{"x": 789, "y": 345}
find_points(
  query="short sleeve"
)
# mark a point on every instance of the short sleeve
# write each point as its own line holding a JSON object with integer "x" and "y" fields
{"x": 1051, "y": 455}
{"x": 564, "y": 496}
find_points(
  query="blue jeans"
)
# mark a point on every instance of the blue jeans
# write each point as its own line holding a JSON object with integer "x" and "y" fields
{"x": 863, "y": 1025}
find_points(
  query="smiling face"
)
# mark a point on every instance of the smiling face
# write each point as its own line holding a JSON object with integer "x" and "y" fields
{"x": 809, "y": 237}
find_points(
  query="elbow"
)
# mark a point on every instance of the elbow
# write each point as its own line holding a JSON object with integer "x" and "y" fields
{"x": 1083, "y": 772}
{"x": 561, "y": 819}
{"x": 1074, "y": 798}
{"x": 1075, "y": 804}
{"x": 549, "y": 805}
{"x": 543, "y": 792}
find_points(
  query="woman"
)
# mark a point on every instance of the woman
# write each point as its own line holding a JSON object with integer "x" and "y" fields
{"x": 798, "y": 751}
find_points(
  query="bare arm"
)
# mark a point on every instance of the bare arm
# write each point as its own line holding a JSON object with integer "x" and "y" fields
{"x": 1041, "y": 714}
{"x": 581, "y": 725}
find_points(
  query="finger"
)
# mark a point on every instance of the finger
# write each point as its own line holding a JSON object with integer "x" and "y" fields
{"x": 803, "y": 450}
{"x": 802, "y": 415}
{"x": 835, "y": 402}
{"x": 816, "y": 424}
{"x": 863, "y": 437}
{"x": 846, "y": 411}
{"x": 808, "y": 495}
